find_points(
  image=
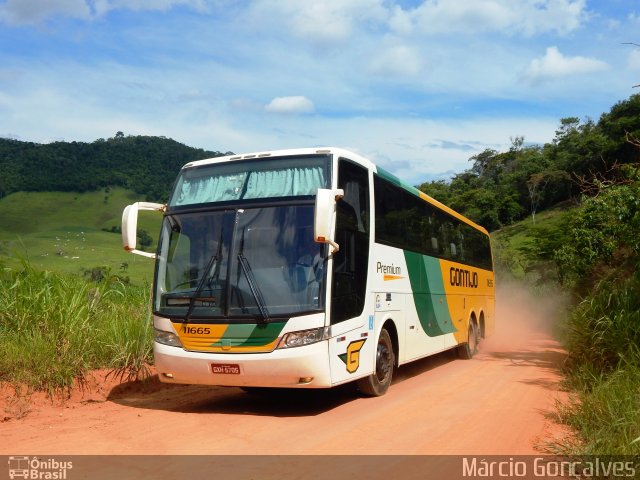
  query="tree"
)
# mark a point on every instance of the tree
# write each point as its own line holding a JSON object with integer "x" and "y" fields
{"x": 536, "y": 186}
{"x": 567, "y": 126}
{"x": 482, "y": 161}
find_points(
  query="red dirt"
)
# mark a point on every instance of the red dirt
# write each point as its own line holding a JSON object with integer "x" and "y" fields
{"x": 497, "y": 403}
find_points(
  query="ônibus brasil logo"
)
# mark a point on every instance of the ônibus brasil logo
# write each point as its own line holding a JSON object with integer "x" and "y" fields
{"x": 38, "y": 468}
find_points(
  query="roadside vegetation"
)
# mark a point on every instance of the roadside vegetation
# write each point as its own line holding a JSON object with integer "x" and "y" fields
{"x": 601, "y": 263}
{"x": 591, "y": 252}
{"x": 55, "y": 327}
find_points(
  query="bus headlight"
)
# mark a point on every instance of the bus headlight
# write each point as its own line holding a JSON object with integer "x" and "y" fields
{"x": 304, "y": 337}
{"x": 166, "y": 338}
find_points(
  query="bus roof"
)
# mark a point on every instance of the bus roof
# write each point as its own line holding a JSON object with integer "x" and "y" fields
{"x": 288, "y": 152}
{"x": 340, "y": 152}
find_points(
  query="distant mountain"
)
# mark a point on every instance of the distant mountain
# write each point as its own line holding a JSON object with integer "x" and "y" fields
{"x": 147, "y": 165}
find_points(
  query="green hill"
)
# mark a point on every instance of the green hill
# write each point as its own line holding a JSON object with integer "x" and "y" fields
{"x": 146, "y": 165}
{"x": 61, "y": 203}
{"x": 65, "y": 231}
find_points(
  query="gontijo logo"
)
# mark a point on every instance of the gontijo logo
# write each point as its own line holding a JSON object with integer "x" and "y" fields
{"x": 352, "y": 356}
{"x": 459, "y": 277}
{"x": 36, "y": 468}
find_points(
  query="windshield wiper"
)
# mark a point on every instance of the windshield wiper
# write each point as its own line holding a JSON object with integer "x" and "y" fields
{"x": 253, "y": 286}
{"x": 206, "y": 278}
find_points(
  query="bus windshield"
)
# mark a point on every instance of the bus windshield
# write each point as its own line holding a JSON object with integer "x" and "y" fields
{"x": 240, "y": 262}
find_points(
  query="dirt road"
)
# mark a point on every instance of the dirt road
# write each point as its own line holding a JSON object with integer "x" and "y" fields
{"x": 496, "y": 403}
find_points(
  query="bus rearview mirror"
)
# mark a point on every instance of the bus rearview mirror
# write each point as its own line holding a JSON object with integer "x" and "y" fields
{"x": 130, "y": 225}
{"x": 325, "y": 216}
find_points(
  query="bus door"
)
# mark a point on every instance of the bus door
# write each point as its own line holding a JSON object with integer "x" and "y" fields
{"x": 351, "y": 347}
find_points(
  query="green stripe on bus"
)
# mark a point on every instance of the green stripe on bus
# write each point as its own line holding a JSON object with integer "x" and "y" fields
{"x": 250, "y": 334}
{"x": 429, "y": 294}
{"x": 264, "y": 334}
{"x": 390, "y": 177}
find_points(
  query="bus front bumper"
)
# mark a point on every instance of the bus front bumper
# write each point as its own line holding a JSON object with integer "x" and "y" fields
{"x": 299, "y": 367}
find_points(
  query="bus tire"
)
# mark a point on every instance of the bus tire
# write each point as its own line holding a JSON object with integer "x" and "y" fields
{"x": 468, "y": 349}
{"x": 378, "y": 382}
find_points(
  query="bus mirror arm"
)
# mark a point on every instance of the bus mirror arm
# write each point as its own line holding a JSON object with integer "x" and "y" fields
{"x": 325, "y": 216}
{"x": 130, "y": 225}
{"x": 336, "y": 247}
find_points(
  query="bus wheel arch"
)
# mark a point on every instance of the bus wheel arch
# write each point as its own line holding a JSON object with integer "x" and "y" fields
{"x": 482, "y": 332}
{"x": 378, "y": 382}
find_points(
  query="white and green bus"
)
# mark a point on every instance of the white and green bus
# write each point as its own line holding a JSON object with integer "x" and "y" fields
{"x": 309, "y": 268}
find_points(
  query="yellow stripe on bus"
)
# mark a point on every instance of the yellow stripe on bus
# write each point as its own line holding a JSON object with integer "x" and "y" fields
{"x": 468, "y": 289}
{"x": 392, "y": 277}
{"x": 210, "y": 339}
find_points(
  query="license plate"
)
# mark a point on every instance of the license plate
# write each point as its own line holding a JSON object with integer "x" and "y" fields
{"x": 225, "y": 368}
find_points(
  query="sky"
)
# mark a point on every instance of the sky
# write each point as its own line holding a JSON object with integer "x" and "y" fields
{"x": 417, "y": 86}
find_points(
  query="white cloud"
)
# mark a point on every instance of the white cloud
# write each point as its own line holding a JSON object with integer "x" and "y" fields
{"x": 320, "y": 22}
{"x": 26, "y": 12}
{"x": 435, "y": 16}
{"x": 399, "y": 61}
{"x": 552, "y": 16}
{"x": 30, "y": 12}
{"x": 555, "y": 65}
{"x": 401, "y": 21}
{"x": 528, "y": 17}
{"x": 290, "y": 105}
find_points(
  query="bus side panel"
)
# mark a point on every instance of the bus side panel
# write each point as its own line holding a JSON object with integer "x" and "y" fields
{"x": 470, "y": 291}
{"x": 409, "y": 288}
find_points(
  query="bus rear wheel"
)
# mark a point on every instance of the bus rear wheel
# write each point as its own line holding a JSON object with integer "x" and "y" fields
{"x": 378, "y": 382}
{"x": 468, "y": 349}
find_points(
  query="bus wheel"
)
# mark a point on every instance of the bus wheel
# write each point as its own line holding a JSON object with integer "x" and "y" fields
{"x": 378, "y": 382}
{"x": 468, "y": 349}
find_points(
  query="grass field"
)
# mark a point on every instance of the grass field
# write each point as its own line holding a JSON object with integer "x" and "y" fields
{"x": 48, "y": 310}
{"x": 62, "y": 231}
{"x": 54, "y": 327}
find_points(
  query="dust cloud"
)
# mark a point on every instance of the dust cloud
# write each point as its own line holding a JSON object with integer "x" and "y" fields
{"x": 522, "y": 314}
